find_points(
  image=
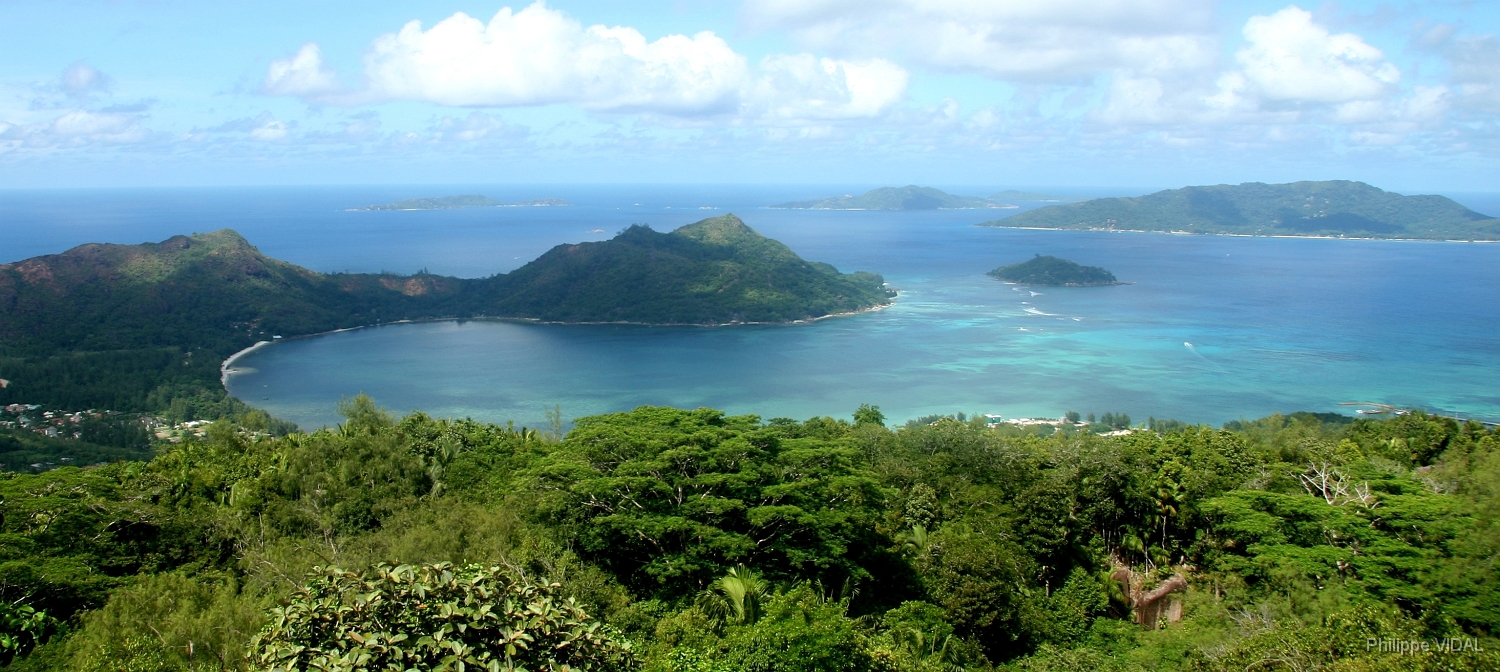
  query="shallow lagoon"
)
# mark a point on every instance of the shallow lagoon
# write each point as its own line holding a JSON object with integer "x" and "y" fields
{"x": 1276, "y": 324}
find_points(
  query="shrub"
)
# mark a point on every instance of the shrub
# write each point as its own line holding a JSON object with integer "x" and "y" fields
{"x": 434, "y": 617}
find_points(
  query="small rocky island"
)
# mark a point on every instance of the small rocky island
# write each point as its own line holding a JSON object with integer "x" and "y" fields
{"x": 1054, "y": 272}
{"x": 463, "y": 201}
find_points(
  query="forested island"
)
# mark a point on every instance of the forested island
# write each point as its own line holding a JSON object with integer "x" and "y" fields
{"x": 464, "y": 201}
{"x": 1331, "y": 209}
{"x": 1054, "y": 272}
{"x": 910, "y": 197}
{"x": 145, "y": 327}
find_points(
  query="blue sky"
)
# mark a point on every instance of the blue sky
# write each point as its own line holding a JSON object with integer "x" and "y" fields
{"x": 1120, "y": 93}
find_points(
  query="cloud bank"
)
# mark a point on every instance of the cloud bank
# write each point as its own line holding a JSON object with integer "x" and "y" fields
{"x": 540, "y": 56}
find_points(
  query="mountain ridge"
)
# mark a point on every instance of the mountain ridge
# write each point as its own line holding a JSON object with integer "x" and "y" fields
{"x": 1332, "y": 208}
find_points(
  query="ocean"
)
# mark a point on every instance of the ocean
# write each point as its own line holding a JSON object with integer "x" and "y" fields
{"x": 1212, "y": 328}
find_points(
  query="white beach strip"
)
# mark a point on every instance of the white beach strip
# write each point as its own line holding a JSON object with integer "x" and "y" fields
{"x": 224, "y": 369}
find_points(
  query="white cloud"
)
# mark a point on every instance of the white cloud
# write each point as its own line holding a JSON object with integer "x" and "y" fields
{"x": 85, "y": 124}
{"x": 803, "y": 87}
{"x": 1475, "y": 72}
{"x": 1291, "y": 70}
{"x": 540, "y": 56}
{"x": 81, "y": 79}
{"x": 77, "y": 128}
{"x": 475, "y": 127}
{"x": 1046, "y": 41}
{"x": 1288, "y": 57}
{"x": 264, "y": 127}
{"x": 301, "y": 75}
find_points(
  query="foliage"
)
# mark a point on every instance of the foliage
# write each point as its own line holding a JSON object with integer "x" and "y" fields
{"x": 1339, "y": 208}
{"x": 146, "y": 327}
{"x": 711, "y": 272}
{"x": 169, "y": 622}
{"x": 435, "y": 617}
{"x": 1053, "y": 272}
{"x": 669, "y": 499}
{"x": 801, "y": 631}
{"x": 22, "y": 628}
{"x": 714, "y": 543}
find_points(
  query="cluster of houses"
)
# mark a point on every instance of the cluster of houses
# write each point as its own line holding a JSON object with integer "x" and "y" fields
{"x": 56, "y": 423}
{"x": 995, "y": 420}
{"x": 64, "y": 424}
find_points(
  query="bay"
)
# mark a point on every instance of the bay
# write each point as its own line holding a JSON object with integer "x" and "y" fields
{"x": 1275, "y": 325}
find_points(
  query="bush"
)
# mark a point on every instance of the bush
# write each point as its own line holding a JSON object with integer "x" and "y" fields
{"x": 800, "y": 632}
{"x": 168, "y": 622}
{"x": 434, "y": 617}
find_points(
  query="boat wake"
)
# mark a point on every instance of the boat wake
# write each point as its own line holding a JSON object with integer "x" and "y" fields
{"x": 1206, "y": 360}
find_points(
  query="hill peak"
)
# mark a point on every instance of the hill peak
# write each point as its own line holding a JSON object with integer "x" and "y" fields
{"x": 722, "y": 230}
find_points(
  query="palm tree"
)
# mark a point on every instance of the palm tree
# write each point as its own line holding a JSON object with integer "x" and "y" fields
{"x": 736, "y": 599}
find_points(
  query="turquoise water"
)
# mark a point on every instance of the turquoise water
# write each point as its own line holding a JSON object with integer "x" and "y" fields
{"x": 1276, "y": 325}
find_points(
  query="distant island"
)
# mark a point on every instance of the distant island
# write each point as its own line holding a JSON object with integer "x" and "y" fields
{"x": 129, "y": 327}
{"x": 897, "y": 198}
{"x": 1054, "y": 272}
{"x": 1013, "y": 195}
{"x": 1330, "y": 209}
{"x": 464, "y": 201}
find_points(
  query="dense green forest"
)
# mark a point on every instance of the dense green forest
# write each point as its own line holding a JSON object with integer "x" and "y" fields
{"x": 715, "y": 271}
{"x": 690, "y": 541}
{"x": 910, "y": 197}
{"x": 1054, "y": 272}
{"x": 145, "y": 327}
{"x": 1330, "y": 208}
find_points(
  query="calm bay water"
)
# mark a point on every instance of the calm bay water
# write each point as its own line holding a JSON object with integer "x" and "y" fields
{"x": 1273, "y": 324}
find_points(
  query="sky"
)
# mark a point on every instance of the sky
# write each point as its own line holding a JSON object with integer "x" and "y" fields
{"x": 1109, "y": 93}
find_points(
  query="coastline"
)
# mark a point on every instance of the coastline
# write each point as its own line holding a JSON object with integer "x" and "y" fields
{"x": 224, "y": 368}
{"x": 1236, "y": 235}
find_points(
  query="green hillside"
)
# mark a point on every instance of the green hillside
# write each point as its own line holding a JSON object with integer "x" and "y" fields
{"x": 1054, "y": 272}
{"x": 139, "y": 327}
{"x": 896, "y": 198}
{"x": 132, "y": 327}
{"x": 1332, "y": 208}
{"x": 712, "y": 272}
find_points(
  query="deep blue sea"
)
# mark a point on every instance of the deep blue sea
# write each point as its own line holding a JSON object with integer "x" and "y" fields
{"x": 1213, "y": 328}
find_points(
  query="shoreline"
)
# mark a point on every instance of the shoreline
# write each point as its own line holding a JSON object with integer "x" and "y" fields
{"x": 226, "y": 370}
{"x": 1238, "y": 235}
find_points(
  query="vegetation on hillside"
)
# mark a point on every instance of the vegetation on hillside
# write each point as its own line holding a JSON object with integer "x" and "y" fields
{"x": 910, "y": 197}
{"x": 1331, "y": 208}
{"x": 712, "y": 272}
{"x": 675, "y": 540}
{"x": 1052, "y": 271}
{"x": 146, "y": 327}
